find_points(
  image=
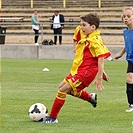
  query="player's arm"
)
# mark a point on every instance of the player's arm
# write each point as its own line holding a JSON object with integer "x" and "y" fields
{"x": 99, "y": 78}
{"x": 75, "y": 40}
{"x": 74, "y": 45}
{"x": 121, "y": 54}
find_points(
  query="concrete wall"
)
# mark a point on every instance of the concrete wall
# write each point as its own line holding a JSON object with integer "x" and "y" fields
{"x": 56, "y": 52}
{"x": 45, "y": 52}
{"x": 18, "y": 51}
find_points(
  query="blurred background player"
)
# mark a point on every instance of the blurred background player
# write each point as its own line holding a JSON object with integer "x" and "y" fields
{"x": 35, "y": 26}
{"x": 88, "y": 62}
{"x": 127, "y": 17}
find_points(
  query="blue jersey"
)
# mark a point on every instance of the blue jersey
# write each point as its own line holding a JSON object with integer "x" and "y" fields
{"x": 128, "y": 38}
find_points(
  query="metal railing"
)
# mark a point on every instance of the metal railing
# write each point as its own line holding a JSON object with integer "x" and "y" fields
{"x": 41, "y": 31}
{"x": 45, "y": 32}
{"x": 64, "y": 3}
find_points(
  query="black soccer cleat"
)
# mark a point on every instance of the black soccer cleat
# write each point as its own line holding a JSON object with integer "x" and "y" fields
{"x": 93, "y": 99}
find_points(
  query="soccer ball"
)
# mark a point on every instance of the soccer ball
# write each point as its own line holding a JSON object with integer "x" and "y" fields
{"x": 38, "y": 112}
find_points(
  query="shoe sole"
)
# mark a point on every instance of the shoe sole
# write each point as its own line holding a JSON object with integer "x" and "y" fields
{"x": 128, "y": 111}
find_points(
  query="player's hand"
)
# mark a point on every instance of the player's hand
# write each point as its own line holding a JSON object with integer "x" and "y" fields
{"x": 117, "y": 57}
{"x": 98, "y": 83}
{"x": 74, "y": 50}
{"x": 106, "y": 77}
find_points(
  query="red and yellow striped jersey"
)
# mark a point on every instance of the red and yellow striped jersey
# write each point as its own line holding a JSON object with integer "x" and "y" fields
{"x": 88, "y": 51}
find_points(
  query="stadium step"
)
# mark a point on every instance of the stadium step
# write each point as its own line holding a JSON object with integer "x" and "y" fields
{"x": 69, "y": 3}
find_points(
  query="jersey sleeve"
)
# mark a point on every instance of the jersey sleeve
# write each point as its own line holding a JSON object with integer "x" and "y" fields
{"x": 77, "y": 35}
{"x": 97, "y": 48}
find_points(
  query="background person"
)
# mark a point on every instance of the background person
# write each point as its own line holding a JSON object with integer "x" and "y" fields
{"x": 57, "y": 26}
{"x": 35, "y": 26}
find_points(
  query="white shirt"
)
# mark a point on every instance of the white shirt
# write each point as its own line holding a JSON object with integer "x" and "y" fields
{"x": 56, "y": 23}
{"x": 36, "y": 27}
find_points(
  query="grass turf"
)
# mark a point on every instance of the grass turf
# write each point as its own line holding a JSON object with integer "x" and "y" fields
{"x": 23, "y": 83}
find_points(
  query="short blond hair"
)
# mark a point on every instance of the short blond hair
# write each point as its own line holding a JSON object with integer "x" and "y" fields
{"x": 128, "y": 8}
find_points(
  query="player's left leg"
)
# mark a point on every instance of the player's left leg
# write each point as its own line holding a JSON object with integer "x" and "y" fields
{"x": 129, "y": 84}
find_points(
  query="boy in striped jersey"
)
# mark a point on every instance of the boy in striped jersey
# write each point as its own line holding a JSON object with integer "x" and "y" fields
{"x": 88, "y": 62}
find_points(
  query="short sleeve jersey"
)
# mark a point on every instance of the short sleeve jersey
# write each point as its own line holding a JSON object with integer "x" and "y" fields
{"x": 128, "y": 38}
{"x": 87, "y": 53}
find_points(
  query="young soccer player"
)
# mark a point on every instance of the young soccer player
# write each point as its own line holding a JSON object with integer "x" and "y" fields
{"x": 88, "y": 62}
{"x": 127, "y": 17}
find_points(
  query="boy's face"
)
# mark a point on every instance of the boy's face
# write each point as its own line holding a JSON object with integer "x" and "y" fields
{"x": 86, "y": 27}
{"x": 127, "y": 17}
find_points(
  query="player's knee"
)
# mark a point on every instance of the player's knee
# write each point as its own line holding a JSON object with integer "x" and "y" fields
{"x": 65, "y": 88}
{"x": 61, "y": 84}
{"x": 61, "y": 89}
{"x": 130, "y": 78}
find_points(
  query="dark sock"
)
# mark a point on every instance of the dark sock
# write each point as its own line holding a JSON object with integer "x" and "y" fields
{"x": 129, "y": 92}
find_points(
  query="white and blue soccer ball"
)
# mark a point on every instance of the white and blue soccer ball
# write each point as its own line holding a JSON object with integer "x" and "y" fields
{"x": 38, "y": 112}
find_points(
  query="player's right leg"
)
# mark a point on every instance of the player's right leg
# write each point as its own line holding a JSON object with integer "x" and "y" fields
{"x": 58, "y": 103}
{"x": 129, "y": 91}
{"x": 77, "y": 90}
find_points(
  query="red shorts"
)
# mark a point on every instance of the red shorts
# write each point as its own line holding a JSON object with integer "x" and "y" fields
{"x": 79, "y": 81}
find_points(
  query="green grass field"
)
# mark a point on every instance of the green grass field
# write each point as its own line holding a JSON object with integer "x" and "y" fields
{"x": 24, "y": 83}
